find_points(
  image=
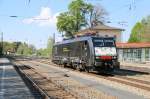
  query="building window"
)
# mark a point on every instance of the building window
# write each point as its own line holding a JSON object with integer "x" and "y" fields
{"x": 147, "y": 53}
{"x": 139, "y": 51}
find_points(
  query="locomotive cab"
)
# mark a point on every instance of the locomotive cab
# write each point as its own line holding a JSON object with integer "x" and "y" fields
{"x": 105, "y": 53}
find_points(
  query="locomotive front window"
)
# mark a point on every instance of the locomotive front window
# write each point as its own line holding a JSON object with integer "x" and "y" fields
{"x": 109, "y": 43}
{"x": 103, "y": 43}
{"x": 98, "y": 42}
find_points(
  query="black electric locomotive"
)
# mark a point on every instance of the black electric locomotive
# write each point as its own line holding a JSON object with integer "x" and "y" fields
{"x": 87, "y": 53}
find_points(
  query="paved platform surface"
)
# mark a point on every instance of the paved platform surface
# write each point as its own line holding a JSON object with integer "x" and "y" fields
{"x": 146, "y": 65}
{"x": 143, "y": 67}
{"x": 11, "y": 84}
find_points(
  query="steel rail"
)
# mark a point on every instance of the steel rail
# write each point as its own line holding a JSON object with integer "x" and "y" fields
{"x": 48, "y": 96}
{"x": 34, "y": 84}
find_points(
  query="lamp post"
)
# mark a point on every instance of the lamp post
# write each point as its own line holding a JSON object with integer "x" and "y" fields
{"x": 1, "y": 46}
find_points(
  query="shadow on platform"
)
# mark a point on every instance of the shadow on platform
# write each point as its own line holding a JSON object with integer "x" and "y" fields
{"x": 126, "y": 72}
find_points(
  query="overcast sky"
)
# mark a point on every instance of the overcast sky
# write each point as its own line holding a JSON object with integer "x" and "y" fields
{"x": 27, "y": 26}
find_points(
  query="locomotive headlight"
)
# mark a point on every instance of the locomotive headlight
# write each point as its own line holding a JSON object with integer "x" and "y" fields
{"x": 97, "y": 57}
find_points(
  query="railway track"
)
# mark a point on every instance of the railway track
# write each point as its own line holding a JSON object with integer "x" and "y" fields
{"x": 137, "y": 83}
{"x": 36, "y": 91}
{"x": 47, "y": 89}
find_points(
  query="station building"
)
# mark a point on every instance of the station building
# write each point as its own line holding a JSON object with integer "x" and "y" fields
{"x": 127, "y": 52}
{"x": 103, "y": 30}
{"x": 134, "y": 52}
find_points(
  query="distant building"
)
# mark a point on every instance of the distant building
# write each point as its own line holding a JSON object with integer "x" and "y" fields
{"x": 134, "y": 52}
{"x": 103, "y": 30}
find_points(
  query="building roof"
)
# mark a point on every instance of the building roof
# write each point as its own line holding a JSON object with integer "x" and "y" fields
{"x": 98, "y": 27}
{"x": 133, "y": 45}
{"x": 105, "y": 27}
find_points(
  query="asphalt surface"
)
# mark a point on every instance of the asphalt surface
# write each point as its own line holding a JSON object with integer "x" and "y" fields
{"x": 121, "y": 94}
{"x": 11, "y": 84}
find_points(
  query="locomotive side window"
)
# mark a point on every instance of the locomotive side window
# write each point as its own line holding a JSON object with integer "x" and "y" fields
{"x": 55, "y": 50}
{"x": 85, "y": 51}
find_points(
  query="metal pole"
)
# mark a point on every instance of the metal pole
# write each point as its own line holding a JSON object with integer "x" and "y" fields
{"x": 53, "y": 38}
{"x": 1, "y": 46}
{"x": 2, "y": 43}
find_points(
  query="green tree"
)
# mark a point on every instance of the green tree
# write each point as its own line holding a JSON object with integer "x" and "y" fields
{"x": 50, "y": 46}
{"x": 25, "y": 49}
{"x": 66, "y": 23}
{"x": 79, "y": 15}
{"x": 20, "y": 49}
{"x": 46, "y": 52}
{"x": 141, "y": 31}
{"x": 78, "y": 9}
{"x": 16, "y": 45}
{"x": 146, "y": 29}
{"x": 9, "y": 47}
{"x": 136, "y": 33}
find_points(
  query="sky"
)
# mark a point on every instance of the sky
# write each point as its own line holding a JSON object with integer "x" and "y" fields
{"x": 36, "y": 20}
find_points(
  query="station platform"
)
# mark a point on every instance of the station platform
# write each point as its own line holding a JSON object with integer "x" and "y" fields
{"x": 11, "y": 84}
{"x": 143, "y": 67}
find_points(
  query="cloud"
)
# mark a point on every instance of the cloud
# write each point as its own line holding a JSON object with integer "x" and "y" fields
{"x": 45, "y": 18}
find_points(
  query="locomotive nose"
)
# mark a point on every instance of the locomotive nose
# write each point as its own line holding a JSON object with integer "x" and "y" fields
{"x": 105, "y": 57}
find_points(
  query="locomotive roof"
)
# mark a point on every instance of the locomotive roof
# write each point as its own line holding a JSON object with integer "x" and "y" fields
{"x": 80, "y": 39}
